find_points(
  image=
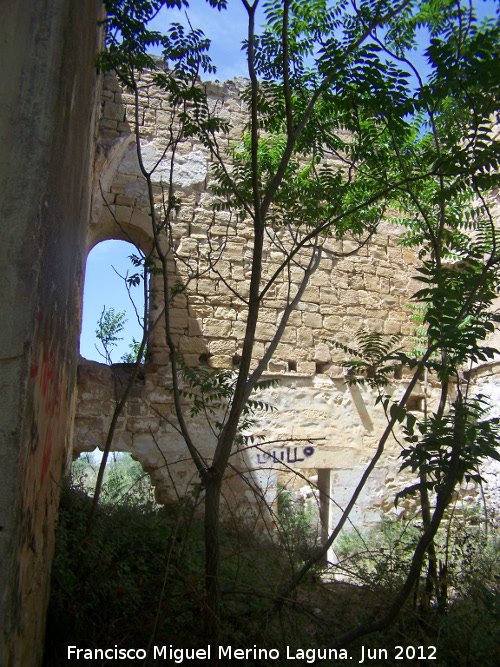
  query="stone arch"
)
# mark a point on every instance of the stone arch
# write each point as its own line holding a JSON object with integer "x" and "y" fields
{"x": 110, "y": 231}
{"x": 120, "y": 206}
{"x": 120, "y": 212}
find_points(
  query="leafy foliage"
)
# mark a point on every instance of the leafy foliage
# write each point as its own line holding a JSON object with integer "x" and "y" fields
{"x": 118, "y": 575}
{"x": 108, "y": 591}
{"x": 375, "y": 359}
{"x": 458, "y": 300}
{"x": 128, "y": 40}
{"x": 133, "y": 356}
{"x": 455, "y": 443}
{"x": 110, "y": 325}
{"x": 124, "y": 481}
{"x": 298, "y": 525}
{"x": 379, "y": 559}
{"x": 210, "y": 393}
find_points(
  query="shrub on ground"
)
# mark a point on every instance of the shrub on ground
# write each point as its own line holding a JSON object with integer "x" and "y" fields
{"x": 138, "y": 579}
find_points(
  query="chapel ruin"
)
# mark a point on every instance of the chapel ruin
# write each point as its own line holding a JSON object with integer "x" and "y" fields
{"x": 69, "y": 173}
{"x": 320, "y": 426}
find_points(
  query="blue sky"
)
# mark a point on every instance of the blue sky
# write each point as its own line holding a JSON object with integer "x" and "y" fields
{"x": 103, "y": 287}
{"x": 226, "y": 30}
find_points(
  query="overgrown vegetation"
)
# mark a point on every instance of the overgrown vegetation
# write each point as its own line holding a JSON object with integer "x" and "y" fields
{"x": 298, "y": 524}
{"x": 463, "y": 620}
{"x": 124, "y": 480}
{"x": 138, "y": 582}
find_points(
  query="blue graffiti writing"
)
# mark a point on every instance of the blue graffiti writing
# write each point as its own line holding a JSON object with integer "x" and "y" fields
{"x": 286, "y": 453}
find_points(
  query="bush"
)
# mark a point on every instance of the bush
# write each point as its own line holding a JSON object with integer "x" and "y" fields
{"x": 299, "y": 529}
{"x": 139, "y": 578}
{"x": 140, "y": 575}
{"x": 465, "y": 631}
{"x": 124, "y": 479}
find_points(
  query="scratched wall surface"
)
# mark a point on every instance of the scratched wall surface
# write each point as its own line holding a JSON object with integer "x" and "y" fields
{"x": 49, "y": 93}
{"x": 318, "y": 422}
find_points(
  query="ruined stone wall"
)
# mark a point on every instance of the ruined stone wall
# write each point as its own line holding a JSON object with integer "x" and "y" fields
{"x": 49, "y": 98}
{"x": 319, "y": 422}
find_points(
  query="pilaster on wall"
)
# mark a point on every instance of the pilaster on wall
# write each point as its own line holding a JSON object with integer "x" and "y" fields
{"x": 49, "y": 90}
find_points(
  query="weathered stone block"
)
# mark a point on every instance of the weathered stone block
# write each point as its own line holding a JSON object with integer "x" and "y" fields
{"x": 308, "y": 367}
{"x": 289, "y": 335}
{"x": 123, "y": 213}
{"x": 391, "y": 327}
{"x": 178, "y": 319}
{"x": 322, "y": 353}
{"x": 277, "y": 367}
{"x": 304, "y": 338}
{"x": 223, "y": 347}
{"x": 213, "y": 327}
{"x": 220, "y": 361}
{"x": 234, "y": 251}
{"x": 314, "y": 320}
{"x": 136, "y": 409}
{"x": 207, "y": 287}
{"x": 114, "y": 111}
{"x": 140, "y": 219}
{"x": 192, "y": 345}
{"x": 264, "y": 332}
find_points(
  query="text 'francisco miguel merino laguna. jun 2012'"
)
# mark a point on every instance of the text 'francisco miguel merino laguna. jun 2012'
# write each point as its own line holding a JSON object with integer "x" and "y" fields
{"x": 179, "y": 655}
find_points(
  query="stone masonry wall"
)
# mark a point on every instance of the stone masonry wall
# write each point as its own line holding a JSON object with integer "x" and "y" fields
{"x": 320, "y": 422}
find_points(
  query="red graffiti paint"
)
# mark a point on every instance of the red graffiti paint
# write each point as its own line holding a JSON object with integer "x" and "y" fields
{"x": 47, "y": 452}
{"x": 47, "y": 373}
{"x": 48, "y": 394}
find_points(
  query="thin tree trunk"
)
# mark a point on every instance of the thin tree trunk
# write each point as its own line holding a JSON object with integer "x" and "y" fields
{"x": 213, "y": 483}
{"x": 432, "y": 571}
{"x": 111, "y": 432}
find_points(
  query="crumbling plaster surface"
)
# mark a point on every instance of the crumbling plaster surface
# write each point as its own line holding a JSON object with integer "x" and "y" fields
{"x": 319, "y": 421}
{"x": 49, "y": 94}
